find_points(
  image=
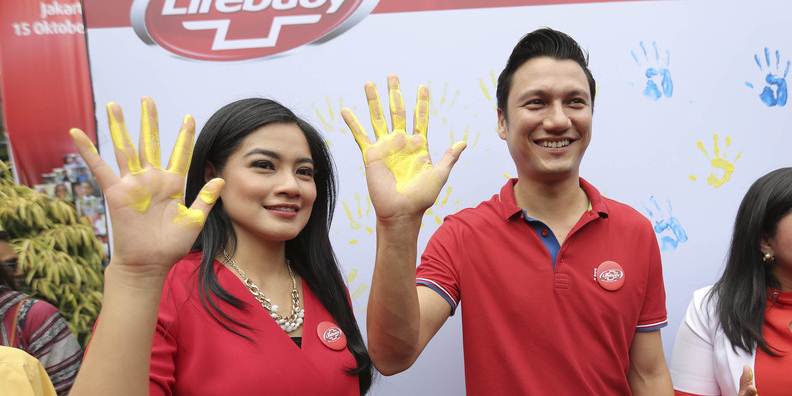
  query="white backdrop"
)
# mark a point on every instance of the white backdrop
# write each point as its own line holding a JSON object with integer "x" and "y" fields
{"x": 645, "y": 150}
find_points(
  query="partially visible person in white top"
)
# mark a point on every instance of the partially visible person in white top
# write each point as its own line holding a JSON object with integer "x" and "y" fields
{"x": 743, "y": 323}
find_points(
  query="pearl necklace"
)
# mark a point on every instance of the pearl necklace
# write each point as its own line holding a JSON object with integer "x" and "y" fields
{"x": 287, "y": 323}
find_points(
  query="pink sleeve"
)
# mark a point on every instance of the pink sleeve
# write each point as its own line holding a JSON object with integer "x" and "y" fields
{"x": 653, "y": 313}
{"x": 440, "y": 262}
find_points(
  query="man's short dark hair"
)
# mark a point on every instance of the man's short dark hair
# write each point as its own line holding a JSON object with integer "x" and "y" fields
{"x": 542, "y": 42}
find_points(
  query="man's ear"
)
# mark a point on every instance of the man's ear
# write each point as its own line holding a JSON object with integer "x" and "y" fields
{"x": 502, "y": 129}
{"x": 209, "y": 172}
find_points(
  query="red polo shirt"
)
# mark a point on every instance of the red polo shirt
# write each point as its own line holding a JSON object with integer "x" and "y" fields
{"x": 534, "y": 326}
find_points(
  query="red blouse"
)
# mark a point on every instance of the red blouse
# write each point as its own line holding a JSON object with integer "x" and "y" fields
{"x": 772, "y": 374}
{"x": 193, "y": 355}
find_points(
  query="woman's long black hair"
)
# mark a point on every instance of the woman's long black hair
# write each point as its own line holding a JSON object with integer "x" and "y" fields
{"x": 310, "y": 253}
{"x": 741, "y": 292}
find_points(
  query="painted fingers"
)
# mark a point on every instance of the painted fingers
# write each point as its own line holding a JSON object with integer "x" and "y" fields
{"x": 397, "y": 113}
{"x": 179, "y": 162}
{"x": 149, "y": 134}
{"x": 129, "y": 160}
{"x": 101, "y": 170}
{"x": 125, "y": 153}
{"x": 196, "y": 214}
{"x": 421, "y": 117}
{"x": 396, "y": 101}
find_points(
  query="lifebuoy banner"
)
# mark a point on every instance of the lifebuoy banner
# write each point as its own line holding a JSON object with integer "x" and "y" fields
{"x": 46, "y": 85}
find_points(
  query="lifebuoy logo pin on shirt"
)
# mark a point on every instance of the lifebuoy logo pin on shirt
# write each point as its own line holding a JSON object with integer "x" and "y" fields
{"x": 609, "y": 275}
{"x": 331, "y": 336}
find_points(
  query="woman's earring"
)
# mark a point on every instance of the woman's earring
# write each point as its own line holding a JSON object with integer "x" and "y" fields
{"x": 768, "y": 257}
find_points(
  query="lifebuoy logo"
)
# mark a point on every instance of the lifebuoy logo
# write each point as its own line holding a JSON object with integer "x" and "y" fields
{"x": 332, "y": 334}
{"x": 229, "y": 30}
{"x": 611, "y": 275}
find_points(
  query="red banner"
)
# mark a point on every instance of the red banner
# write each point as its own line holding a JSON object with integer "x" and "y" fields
{"x": 115, "y": 13}
{"x": 46, "y": 87}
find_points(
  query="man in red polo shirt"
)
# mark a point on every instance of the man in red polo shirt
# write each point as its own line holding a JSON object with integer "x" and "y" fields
{"x": 563, "y": 288}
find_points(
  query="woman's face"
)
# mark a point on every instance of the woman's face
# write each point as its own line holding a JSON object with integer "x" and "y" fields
{"x": 781, "y": 246}
{"x": 270, "y": 190}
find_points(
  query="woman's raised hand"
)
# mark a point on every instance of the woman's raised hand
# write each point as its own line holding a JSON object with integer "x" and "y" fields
{"x": 152, "y": 228}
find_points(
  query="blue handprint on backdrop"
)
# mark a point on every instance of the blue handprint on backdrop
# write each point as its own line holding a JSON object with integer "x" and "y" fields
{"x": 657, "y": 73}
{"x": 666, "y": 226}
{"x": 774, "y": 93}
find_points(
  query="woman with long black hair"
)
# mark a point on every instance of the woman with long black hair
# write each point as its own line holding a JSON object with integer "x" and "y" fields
{"x": 250, "y": 296}
{"x": 743, "y": 323}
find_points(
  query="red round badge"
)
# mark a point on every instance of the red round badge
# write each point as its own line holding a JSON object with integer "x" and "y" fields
{"x": 331, "y": 335}
{"x": 609, "y": 275}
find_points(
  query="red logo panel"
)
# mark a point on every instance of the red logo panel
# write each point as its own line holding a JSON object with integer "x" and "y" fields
{"x": 229, "y": 30}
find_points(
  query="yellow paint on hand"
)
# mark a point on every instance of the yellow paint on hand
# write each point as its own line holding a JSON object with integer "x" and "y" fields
{"x": 421, "y": 120}
{"x": 406, "y": 164}
{"x": 208, "y": 197}
{"x": 121, "y": 141}
{"x": 188, "y": 216}
{"x": 211, "y": 191}
{"x": 150, "y": 133}
{"x": 140, "y": 199}
{"x": 396, "y": 101}
{"x": 82, "y": 140}
{"x": 182, "y": 151}
{"x": 375, "y": 111}
{"x": 459, "y": 146}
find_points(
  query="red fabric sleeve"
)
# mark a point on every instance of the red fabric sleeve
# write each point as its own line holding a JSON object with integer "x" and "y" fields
{"x": 653, "y": 313}
{"x": 440, "y": 262}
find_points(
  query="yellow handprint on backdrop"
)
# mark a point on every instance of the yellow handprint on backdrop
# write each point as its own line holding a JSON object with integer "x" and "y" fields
{"x": 357, "y": 289}
{"x": 360, "y": 217}
{"x": 721, "y": 167}
{"x": 488, "y": 88}
{"x": 327, "y": 116}
{"x": 442, "y": 108}
{"x": 441, "y": 208}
